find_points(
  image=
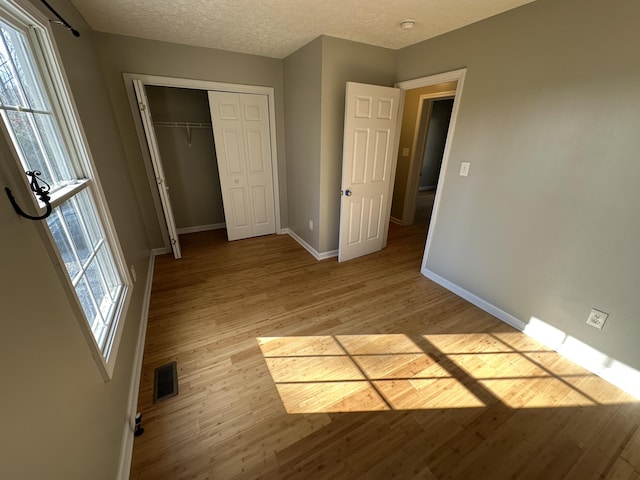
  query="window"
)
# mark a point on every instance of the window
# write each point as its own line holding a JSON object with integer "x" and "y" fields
{"x": 38, "y": 118}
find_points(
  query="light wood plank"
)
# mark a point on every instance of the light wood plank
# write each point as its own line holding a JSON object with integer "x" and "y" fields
{"x": 406, "y": 380}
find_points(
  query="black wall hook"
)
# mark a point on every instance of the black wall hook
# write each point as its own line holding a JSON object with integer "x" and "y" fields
{"x": 41, "y": 191}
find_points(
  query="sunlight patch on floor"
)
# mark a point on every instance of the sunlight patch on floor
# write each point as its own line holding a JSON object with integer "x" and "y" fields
{"x": 349, "y": 373}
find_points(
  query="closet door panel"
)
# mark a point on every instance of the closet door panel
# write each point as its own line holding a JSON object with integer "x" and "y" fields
{"x": 230, "y": 152}
{"x": 243, "y": 148}
{"x": 158, "y": 169}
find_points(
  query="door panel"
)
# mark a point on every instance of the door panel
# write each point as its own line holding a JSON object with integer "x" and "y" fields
{"x": 371, "y": 116}
{"x": 233, "y": 158}
{"x": 375, "y": 221}
{"x": 363, "y": 107}
{"x": 360, "y": 156}
{"x": 229, "y": 110}
{"x": 259, "y": 205}
{"x": 252, "y": 113}
{"x": 156, "y": 161}
{"x": 385, "y": 108}
{"x": 355, "y": 221}
{"x": 239, "y": 215}
{"x": 243, "y": 149}
{"x": 255, "y": 151}
{"x": 380, "y": 156}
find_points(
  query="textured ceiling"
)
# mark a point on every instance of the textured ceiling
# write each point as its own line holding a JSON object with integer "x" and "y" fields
{"x": 277, "y": 28}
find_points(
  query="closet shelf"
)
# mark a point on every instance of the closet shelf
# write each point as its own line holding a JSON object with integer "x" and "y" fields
{"x": 188, "y": 125}
{"x": 183, "y": 124}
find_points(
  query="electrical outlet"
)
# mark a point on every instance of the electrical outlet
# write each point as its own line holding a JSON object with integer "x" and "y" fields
{"x": 464, "y": 168}
{"x": 597, "y": 318}
{"x": 310, "y": 224}
{"x": 405, "y": 152}
{"x": 132, "y": 269}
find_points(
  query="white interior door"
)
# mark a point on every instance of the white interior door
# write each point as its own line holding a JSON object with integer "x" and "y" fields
{"x": 156, "y": 161}
{"x": 243, "y": 150}
{"x": 370, "y": 127}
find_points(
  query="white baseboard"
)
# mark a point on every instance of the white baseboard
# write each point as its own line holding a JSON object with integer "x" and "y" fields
{"x": 397, "y": 221}
{"x": 617, "y": 373}
{"x": 160, "y": 251}
{"x": 201, "y": 228}
{"x": 317, "y": 255}
{"x": 477, "y": 301}
{"x": 126, "y": 450}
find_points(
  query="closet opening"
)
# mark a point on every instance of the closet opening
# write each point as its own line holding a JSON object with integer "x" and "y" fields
{"x": 184, "y": 132}
{"x": 210, "y": 154}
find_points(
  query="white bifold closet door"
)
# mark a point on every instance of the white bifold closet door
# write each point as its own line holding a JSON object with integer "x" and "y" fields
{"x": 243, "y": 150}
{"x": 158, "y": 170}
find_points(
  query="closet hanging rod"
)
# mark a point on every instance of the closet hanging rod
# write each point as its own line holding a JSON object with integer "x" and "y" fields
{"x": 183, "y": 124}
{"x": 60, "y": 20}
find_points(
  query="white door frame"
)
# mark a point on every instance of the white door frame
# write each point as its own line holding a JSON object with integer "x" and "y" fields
{"x": 160, "y": 81}
{"x": 456, "y": 75}
{"x": 417, "y": 154}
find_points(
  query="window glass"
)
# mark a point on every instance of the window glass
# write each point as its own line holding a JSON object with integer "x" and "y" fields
{"x": 27, "y": 113}
{"x": 76, "y": 225}
{"x": 76, "y": 230}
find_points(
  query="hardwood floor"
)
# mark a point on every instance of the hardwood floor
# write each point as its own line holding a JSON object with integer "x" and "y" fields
{"x": 290, "y": 368}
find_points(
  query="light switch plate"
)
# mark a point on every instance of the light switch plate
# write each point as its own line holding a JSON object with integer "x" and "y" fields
{"x": 405, "y": 152}
{"x": 464, "y": 168}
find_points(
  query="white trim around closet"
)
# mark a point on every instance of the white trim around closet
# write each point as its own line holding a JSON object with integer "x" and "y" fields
{"x": 160, "y": 81}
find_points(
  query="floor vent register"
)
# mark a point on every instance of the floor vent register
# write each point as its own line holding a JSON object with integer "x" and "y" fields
{"x": 165, "y": 382}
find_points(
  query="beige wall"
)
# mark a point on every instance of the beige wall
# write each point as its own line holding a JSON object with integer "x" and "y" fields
{"x": 119, "y": 54}
{"x": 315, "y": 82}
{"x": 59, "y": 419}
{"x": 191, "y": 168}
{"x": 546, "y": 224}
{"x": 302, "y": 83}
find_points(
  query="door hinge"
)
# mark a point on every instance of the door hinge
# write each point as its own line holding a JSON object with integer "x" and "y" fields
{"x": 143, "y": 107}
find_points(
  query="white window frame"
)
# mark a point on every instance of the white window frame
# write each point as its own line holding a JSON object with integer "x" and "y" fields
{"x": 26, "y": 18}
